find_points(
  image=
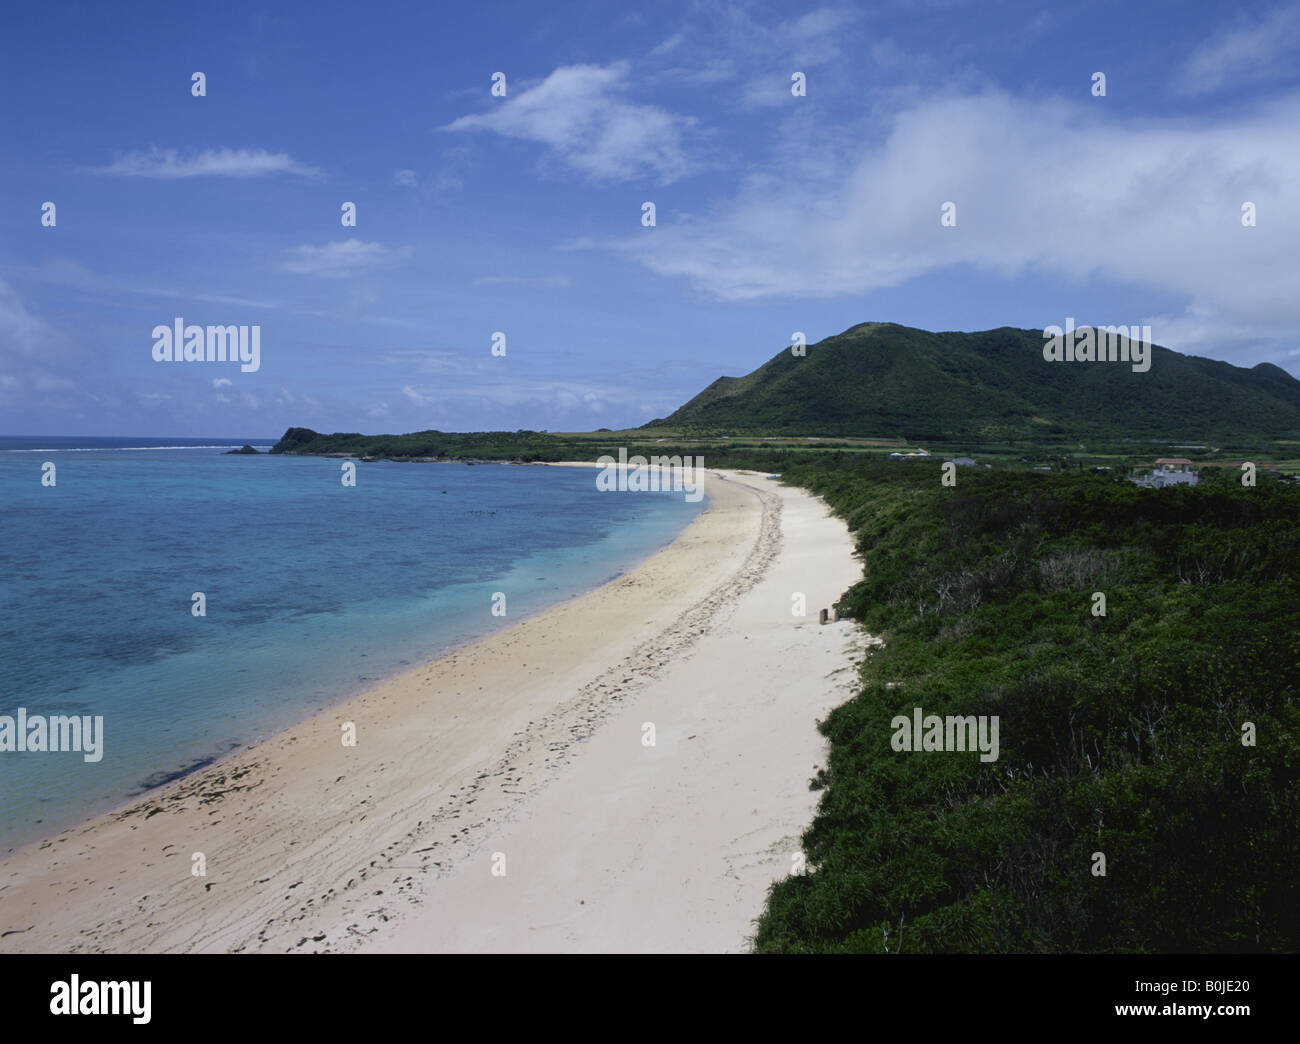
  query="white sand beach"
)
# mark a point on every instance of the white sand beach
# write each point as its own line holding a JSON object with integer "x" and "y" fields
{"x": 522, "y": 752}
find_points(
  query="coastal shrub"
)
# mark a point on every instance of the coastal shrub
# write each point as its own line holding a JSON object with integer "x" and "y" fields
{"x": 1119, "y": 734}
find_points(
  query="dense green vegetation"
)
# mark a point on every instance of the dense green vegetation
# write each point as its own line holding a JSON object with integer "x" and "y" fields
{"x": 882, "y": 379}
{"x": 764, "y": 452}
{"x": 524, "y": 446}
{"x": 1120, "y": 735}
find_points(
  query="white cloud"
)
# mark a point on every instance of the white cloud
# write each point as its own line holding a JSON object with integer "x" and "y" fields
{"x": 64, "y": 272}
{"x": 1041, "y": 186}
{"x": 41, "y": 357}
{"x": 446, "y": 177}
{"x": 544, "y": 282}
{"x": 815, "y": 37}
{"x": 221, "y": 382}
{"x": 700, "y": 74}
{"x": 530, "y": 394}
{"x": 225, "y": 299}
{"x": 671, "y": 44}
{"x": 229, "y": 163}
{"x": 580, "y": 113}
{"x": 53, "y": 384}
{"x": 481, "y": 390}
{"x": 416, "y": 396}
{"x": 1252, "y": 50}
{"x": 1204, "y": 329}
{"x": 770, "y": 90}
{"x": 21, "y": 332}
{"x": 814, "y": 40}
{"x": 342, "y": 258}
{"x": 298, "y": 402}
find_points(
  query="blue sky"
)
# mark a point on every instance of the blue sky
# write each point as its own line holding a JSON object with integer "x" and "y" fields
{"x": 522, "y": 214}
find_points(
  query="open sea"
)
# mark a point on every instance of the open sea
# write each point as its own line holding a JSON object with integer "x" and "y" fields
{"x": 314, "y": 591}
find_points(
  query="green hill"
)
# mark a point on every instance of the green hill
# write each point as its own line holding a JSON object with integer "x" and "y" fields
{"x": 882, "y": 379}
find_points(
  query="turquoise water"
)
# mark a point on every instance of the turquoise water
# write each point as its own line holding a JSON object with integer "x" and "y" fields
{"x": 314, "y": 591}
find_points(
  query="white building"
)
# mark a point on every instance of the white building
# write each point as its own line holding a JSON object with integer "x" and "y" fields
{"x": 1169, "y": 471}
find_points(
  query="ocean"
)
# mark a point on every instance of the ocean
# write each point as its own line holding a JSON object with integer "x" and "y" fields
{"x": 313, "y": 591}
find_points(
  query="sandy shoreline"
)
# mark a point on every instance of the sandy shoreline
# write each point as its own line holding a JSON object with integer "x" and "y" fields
{"x": 527, "y": 743}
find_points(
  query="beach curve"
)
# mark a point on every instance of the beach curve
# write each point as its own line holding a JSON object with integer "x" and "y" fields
{"x": 310, "y": 845}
